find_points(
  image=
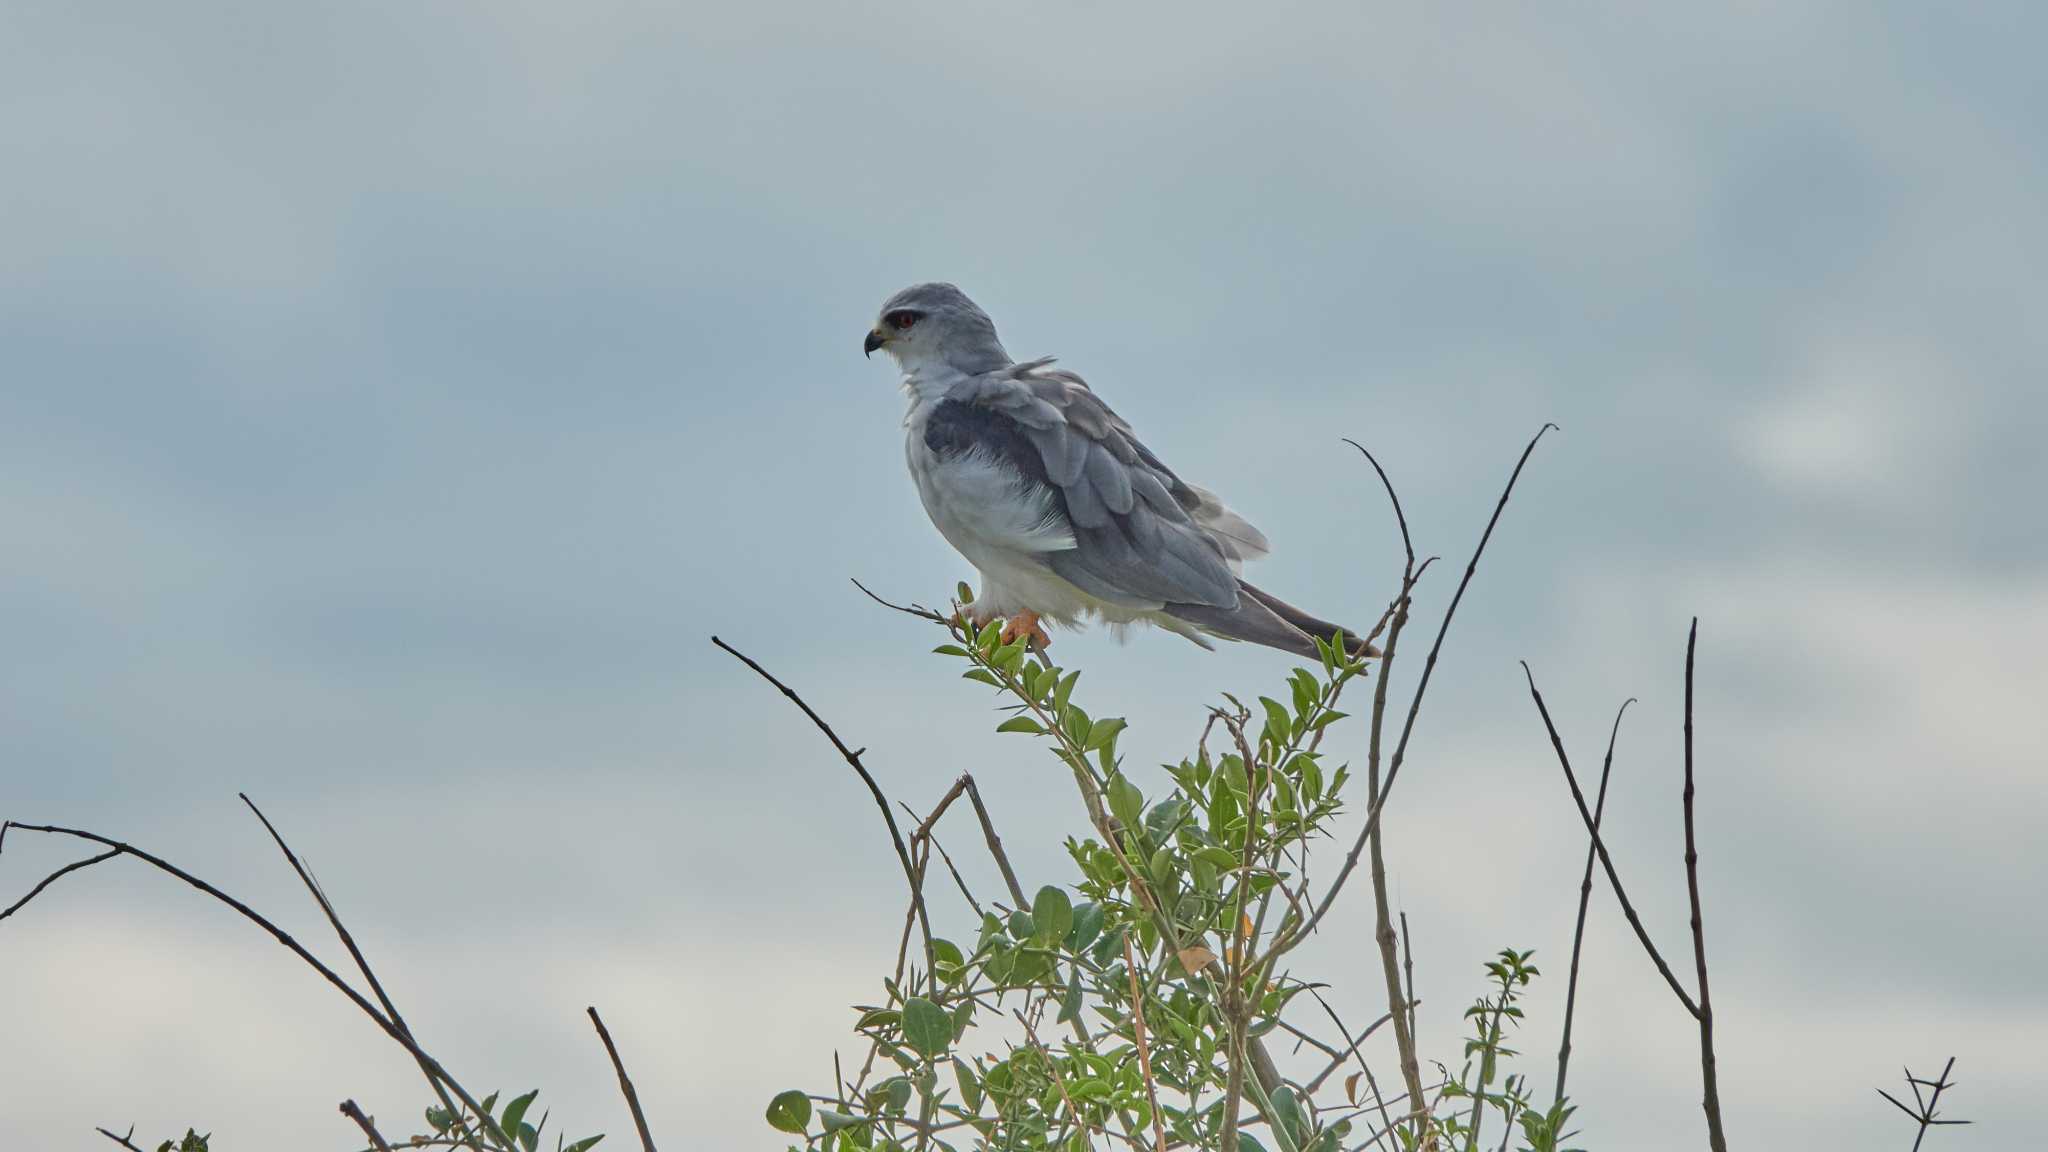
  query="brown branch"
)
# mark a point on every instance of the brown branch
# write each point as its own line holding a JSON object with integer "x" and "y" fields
{"x": 1606, "y": 862}
{"x": 995, "y": 842}
{"x": 1710, "y": 1099}
{"x": 348, "y": 941}
{"x": 625, "y": 1081}
{"x": 1144, "y": 1049}
{"x": 852, "y": 757}
{"x": 369, "y": 1127}
{"x": 1372, "y": 821}
{"x": 128, "y": 1140}
{"x": 53, "y": 877}
{"x": 1571, "y": 987}
{"x": 376, "y": 1016}
{"x": 1925, "y": 1115}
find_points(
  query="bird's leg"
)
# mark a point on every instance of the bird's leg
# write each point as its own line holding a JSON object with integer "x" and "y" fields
{"x": 1023, "y": 624}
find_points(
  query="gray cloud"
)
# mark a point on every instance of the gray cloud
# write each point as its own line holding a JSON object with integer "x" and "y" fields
{"x": 396, "y": 399}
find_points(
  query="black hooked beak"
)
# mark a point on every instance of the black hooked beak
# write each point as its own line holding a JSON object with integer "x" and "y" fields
{"x": 875, "y": 340}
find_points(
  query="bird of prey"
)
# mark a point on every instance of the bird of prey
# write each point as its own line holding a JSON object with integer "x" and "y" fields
{"x": 1058, "y": 505}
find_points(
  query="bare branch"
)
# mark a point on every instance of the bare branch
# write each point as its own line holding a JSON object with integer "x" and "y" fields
{"x": 1571, "y": 987}
{"x": 124, "y": 1141}
{"x": 53, "y": 877}
{"x": 376, "y": 1016}
{"x": 852, "y": 757}
{"x": 1372, "y": 820}
{"x": 625, "y": 1081}
{"x": 348, "y": 941}
{"x": 1606, "y": 862}
{"x": 369, "y": 1127}
{"x": 1710, "y": 1099}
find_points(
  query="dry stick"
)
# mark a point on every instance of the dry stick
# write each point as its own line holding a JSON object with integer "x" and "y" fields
{"x": 127, "y": 1141}
{"x": 1571, "y": 987}
{"x": 349, "y": 1109}
{"x": 377, "y": 1017}
{"x": 1383, "y": 928}
{"x": 852, "y": 757}
{"x": 995, "y": 842}
{"x": 1925, "y": 1115}
{"x": 1370, "y": 1083}
{"x": 1408, "y": 967}
{"x": 1628, "y": 910}
{"x": 1372, "y": 820}
{"x": 348, "y": 941}
{"x": 1710, "y": 1098}
{"x": 52, "y": 878}
{"x": 625, "y": 1081}
{"x": 1144, "y": 1049}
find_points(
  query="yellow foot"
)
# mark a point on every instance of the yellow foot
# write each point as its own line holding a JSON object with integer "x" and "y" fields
{"x": 1025, "y": 624}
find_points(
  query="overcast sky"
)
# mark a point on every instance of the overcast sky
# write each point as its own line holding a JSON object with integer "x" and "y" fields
{"x": 396, "y": 398}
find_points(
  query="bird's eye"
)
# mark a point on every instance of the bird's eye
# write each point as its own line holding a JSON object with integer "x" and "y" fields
{"x": 902, "y": 320}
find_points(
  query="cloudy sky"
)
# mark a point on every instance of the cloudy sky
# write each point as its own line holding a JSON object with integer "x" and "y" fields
{"x": 397, "y": 398}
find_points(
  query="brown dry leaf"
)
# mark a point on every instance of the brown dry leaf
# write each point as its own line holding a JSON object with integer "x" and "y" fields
{"x": 1195, "y": 957}
{"x": 1351, "y": 1088}
{"x": 1244, "y": 925}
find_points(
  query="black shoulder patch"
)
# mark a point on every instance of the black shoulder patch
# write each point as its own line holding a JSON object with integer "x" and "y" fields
{"x": 955, "y": 428}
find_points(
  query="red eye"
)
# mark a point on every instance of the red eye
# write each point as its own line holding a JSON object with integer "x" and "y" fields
{"x": 901, "y": 321}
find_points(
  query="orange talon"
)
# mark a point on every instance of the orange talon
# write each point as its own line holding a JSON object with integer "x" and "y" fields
{"x": 1026, "y": 624}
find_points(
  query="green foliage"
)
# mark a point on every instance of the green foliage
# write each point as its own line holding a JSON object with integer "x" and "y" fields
{"x": 508, "y": 1130}
{"x": 1181, "y": 912}
{"x": 192, "y": 1142}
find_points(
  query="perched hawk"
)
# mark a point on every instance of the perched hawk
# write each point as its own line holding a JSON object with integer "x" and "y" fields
{"x": 1049, "y": 494}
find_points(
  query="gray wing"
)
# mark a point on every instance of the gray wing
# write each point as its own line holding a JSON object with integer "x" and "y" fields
{"x": 1143, "y": 537}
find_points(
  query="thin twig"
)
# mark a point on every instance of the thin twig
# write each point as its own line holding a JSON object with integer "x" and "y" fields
{"x": 625, "y": 1081}
{"x": 369, "y": 1127}
{"x": 1372, "y": 821}
{"x": 1628, "y": 909}
{"x": 852, "y": 758}
{"x": 995, "y": 842}
{"x": 1925, "y": 1115}
{"x": 1571, "y": 987}
{"x": 52, "y": 878}
{"x": 349, "y": 942}
{"x": 1710, "y": 1097}
{"x": 1144, "y": 1049}
{"x": 128, "y": 1140}
{"x": 376, "y": 1016}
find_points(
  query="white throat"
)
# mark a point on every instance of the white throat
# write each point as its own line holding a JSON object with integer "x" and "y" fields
{"x": 927, "y": 379}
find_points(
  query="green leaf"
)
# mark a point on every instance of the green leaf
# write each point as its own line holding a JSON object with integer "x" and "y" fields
{"x": 1287, "y": 1110}
{"x": 1165, "y": 817}
{"x": 950, "y": 650}
{"x": 790, "y": 1111}
{"x": 1064, "y": 692}
{"x": 926, "y": 1026}
{"x": 516, "y": 1111}
{"x": 1022, "y": 926}
{"x": 1126, "y": 802}
{"x": 1102, "y": 733}
{"x": 946, "y": 952}
{"x": 982, "y": 675}
{"x": 1052, "y": 913}
{"x": 585, "y": 1144}
{"x": 1070, "y": 1004}
{"x": 970, "y": 1084}
{"x": 1021, "y": 724}
{"x": 440, "y": 1119}
{"x": 1087, "y": 926}
{"x": 837, "y": 1121}
{"x": 1278, "y": 726}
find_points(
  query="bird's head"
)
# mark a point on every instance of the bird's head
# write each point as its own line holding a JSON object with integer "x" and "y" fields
{"x": 929, "y": 325}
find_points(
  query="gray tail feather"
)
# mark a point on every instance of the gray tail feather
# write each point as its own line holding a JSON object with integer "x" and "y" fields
{"x": 1262, "y": 618}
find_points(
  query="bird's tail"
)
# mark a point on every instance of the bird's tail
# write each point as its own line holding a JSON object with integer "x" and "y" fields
{"x": 1263, "y": 618}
